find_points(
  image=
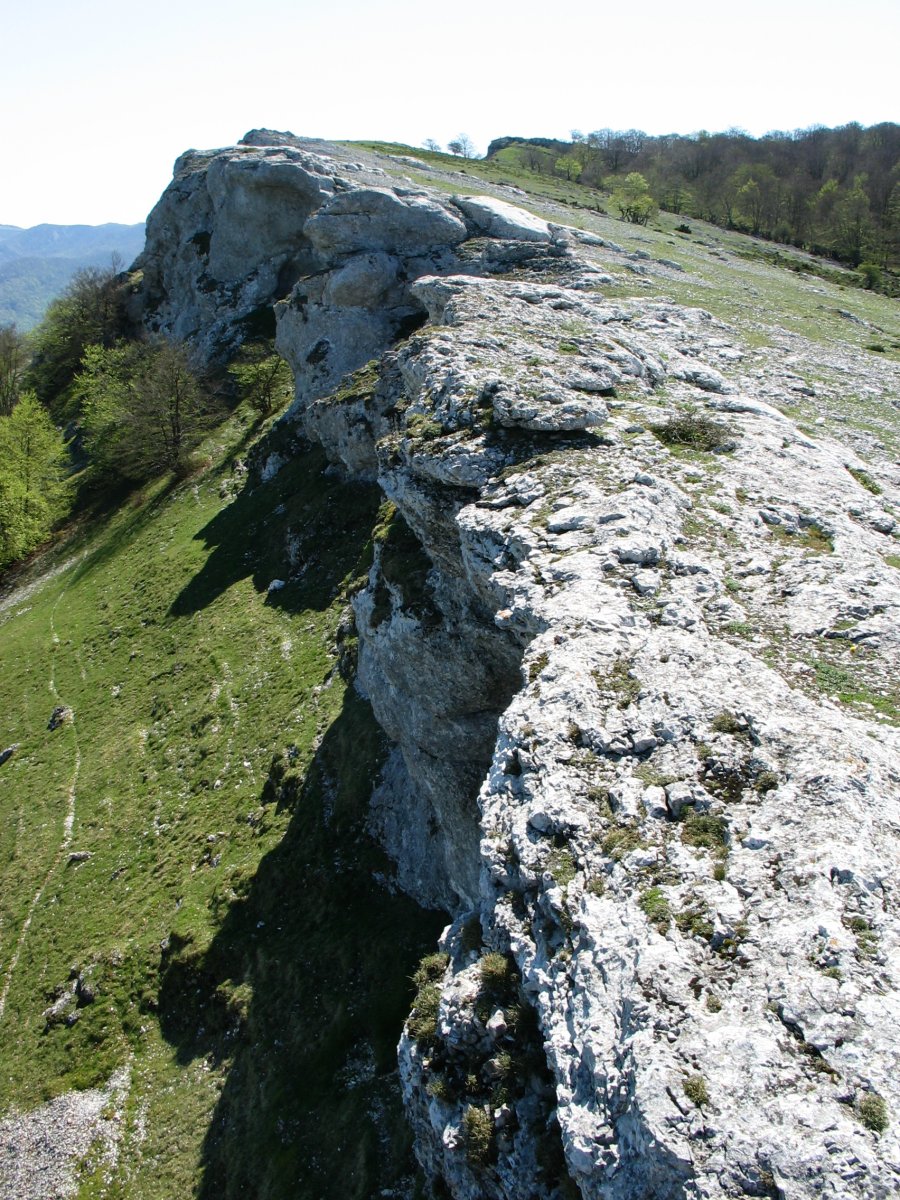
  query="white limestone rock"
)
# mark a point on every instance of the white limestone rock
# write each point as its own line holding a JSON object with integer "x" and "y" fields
{"x": 378, "y": 219}
{"x": 498, "y": 219}
{"x": 609, "y": 676}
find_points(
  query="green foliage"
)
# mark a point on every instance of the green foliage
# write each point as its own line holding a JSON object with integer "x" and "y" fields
{"x": 740, "y": 628}
{"x": 620, "y": 841}
{"x": 478, "y": 1129}
{"x": 143, "y": 409}
{"x": 422, "y": 1022}
{"x": 705, "y": 831}
{"x": 423, "y": 1019}
{"x": 430, "y": 969}
{"x": 13, "y": 357}
{"x": 633, "y": 200}
{"x": 90, "y": 312}
{"x": 871, "y": 275}
{"x": 404, "y": 565}
{"x": 695, "y": 1089}
{"x": 263, "y": 378}
{"x": 420, "y": 426}
{"x": 535, "y": 667}
{"x": 865, "y": 480}
{"x": 619, "y": 681}
{"x": 569, "y": 166}
{"x": 766, "y": 781}
{"x": 561, "y": 865}
{"x": 851, "y": 685}
{"x": 656, "y": 908}
{"x": 873, "y": 1112}
{"x": 866, "y": 936}
{"x": 33, "y": 491}
{"x": 498, "y": 977}
{"x": 726, "y": 722}
{"x": 694, "y": 921}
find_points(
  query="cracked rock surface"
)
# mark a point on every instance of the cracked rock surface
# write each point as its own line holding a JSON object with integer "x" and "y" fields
{"x": 634, "y": 636}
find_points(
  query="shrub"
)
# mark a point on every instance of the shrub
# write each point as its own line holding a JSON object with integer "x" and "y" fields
{"x": 696, "y": 1090}
{"x": 865, "y": 480}
{"x": 263, "y": 379}
{"x": 422, "y": 1022}
{"x": 633, "y": 200}
{"x": 871, "y": 275}
{"x": 479, "y": 1135}
{"x": 33, "y": 491}
{"x": 693, "y": 430}
{"x": 143, "y": 408}
{"x": 872, "y": 1111}
{"x": 430, "y": 969}
{"x": 656, "y": 908}
{"x": 498, "y": 975}
{"x": 90, "y": 312}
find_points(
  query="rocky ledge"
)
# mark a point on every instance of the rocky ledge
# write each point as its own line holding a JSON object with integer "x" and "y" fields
{"x": 634, "y": 636}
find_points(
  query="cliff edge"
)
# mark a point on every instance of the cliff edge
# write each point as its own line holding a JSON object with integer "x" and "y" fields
{"x": 601, "y": 631}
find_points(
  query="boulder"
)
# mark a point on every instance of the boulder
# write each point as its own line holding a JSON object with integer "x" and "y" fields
{"x": 498, "y": 219}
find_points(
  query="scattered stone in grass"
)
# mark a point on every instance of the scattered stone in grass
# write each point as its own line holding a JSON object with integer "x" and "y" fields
{"x": 61, "y": 715}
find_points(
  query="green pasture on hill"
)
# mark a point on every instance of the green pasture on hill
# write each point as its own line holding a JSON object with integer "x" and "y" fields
{"x": 223, "y": 909}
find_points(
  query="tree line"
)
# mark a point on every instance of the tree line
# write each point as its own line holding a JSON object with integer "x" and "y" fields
{"x": 835, "y": 192}
{"x": 90, "y": 404}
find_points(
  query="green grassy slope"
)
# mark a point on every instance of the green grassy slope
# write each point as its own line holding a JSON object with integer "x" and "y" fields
{"x": 244, "y": 960}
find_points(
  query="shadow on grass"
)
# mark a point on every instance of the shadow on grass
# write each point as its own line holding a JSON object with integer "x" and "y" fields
{"x": 302, "y": 994}
{"x": 100, "y": 502}
{"x": 305, "y": 527}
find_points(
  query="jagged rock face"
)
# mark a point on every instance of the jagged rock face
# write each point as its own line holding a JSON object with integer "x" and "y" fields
{"x": 276, "y": 218}
{"x": 224, "y": 237}
{"x": 671, "y": 824}
{"x": 608, "y": 536}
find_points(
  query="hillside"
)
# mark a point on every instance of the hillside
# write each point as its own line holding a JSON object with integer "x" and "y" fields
{"x": 37, "y": 263}
{"x": 835, "y": 191}
{"x": 580, "y": 540}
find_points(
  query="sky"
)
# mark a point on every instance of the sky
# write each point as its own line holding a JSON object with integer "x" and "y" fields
{"x": 99, "y": 98}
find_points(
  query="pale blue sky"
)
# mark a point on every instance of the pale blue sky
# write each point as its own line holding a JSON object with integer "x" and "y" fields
{"x": 100, "y": 97}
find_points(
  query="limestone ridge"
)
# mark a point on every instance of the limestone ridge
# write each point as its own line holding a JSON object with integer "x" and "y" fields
{"x": 670, "y": 858}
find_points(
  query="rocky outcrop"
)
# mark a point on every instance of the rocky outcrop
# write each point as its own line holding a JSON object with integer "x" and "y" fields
{"x": 634, "y": 637}
{"x": 671, "y": 821}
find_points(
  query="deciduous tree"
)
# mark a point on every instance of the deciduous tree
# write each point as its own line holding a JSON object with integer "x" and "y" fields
{"x": 33, "y": 492}
{"x": 143, "y": 408}
{"x": 633, "y": 200}
{"x": 13, "y": 357}
{"x": 264, "y": 379}
{"x": 89, "y": 312}
{"x": 462, "y": 145}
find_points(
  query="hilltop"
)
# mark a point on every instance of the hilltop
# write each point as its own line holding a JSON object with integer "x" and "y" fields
{"x": 558, "y": 610}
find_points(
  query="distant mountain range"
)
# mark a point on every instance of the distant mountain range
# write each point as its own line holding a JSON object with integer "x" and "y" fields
{"x": 37, "y": 263}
